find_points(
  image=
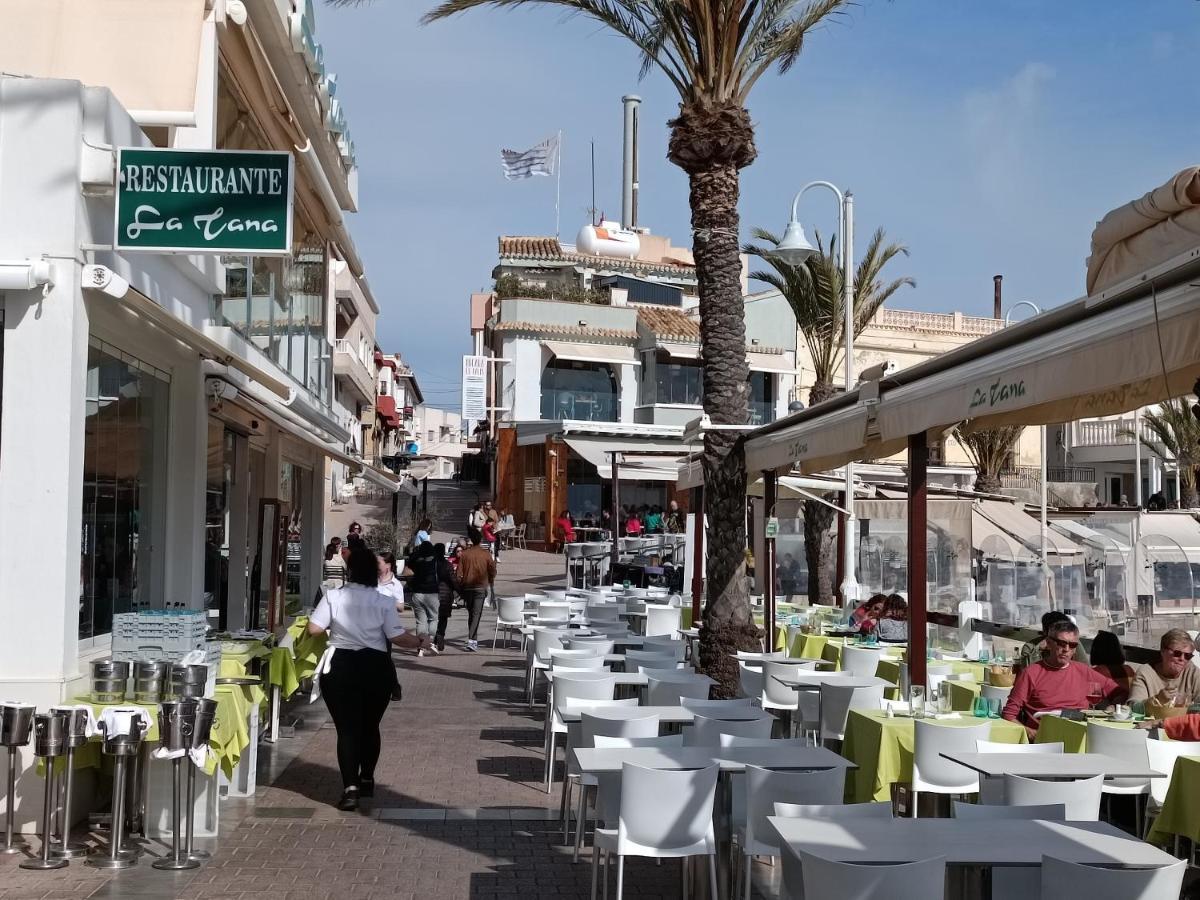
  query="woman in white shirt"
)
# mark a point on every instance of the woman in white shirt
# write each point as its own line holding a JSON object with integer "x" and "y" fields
{"x": 361, "y": 622}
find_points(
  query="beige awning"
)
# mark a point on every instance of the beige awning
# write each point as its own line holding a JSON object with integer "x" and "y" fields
{"x": 817, "y": 445}
{"x": 1024, "y": 529}
{"x": 680, "y": 351}
{"x": 381, "y": 478}
{"x": 595, "y": 353}
{"x": 146, "y": 53}
{"x": 646, "y": 460}
{"x": 770, "y": 362}
{"x": 1109, "y": 363}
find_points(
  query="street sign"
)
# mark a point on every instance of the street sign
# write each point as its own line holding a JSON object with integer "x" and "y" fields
{"x": 474, "y": 387}
{"x": 204, "y": 201}
{"x": 772, "y": 529}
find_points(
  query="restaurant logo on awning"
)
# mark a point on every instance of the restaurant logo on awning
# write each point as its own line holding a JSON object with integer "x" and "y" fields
{"x": 204, "y": 201}
{"x": 996, "y": 394}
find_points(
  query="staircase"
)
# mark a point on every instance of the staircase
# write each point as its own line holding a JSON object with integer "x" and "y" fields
{"x": 451, "y": 501}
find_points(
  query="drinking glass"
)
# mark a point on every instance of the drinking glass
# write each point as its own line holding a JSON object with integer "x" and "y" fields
{"x": 980, "y": 709}
{"x": 945, "y": 701}
{"x": 916, "y": 701}
{"x": 993, "y": 707}
{"x": 984, "y": 656}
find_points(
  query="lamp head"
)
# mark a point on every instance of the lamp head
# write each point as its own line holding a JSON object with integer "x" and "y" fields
{"x": 795, "y": 248}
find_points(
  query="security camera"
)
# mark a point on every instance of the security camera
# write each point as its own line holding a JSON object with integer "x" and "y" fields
{"x": 877, "y": 371}
{"x": 218, "y": 389}
{"x": 105, "y": 280}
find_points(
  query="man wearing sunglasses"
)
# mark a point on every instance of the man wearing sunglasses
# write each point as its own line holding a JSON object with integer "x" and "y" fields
{"x": 1173, "y": 674}
{"x": 1058, "y": 681}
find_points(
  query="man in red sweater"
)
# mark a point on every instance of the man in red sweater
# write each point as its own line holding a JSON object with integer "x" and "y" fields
{"x": 1057, "y": 681}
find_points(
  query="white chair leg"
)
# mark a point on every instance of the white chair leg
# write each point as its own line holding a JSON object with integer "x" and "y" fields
{"x": 495, "y": 634}
{"x": 620, "y": 876}
{"x": 595, "y": 868}
{"x": 564, "y": 808}
{"x": 607, "y": 862}
{"x": 748, "y": 862}
{"x": 550, "y": 760}
{"x": 712, "y": 875}
{"x": 580, "y": 820}
{"x": 913, "y": 797}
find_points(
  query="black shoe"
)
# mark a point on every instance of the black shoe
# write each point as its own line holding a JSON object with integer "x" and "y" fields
{"x": 366, "y": 788}
{"x": 349, "y": 801}
{"x": 440, "y": 643}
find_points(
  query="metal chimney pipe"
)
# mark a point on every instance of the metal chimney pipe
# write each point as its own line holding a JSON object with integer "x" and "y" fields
{"x": 629, "y": 173}
{"x": 997, "y": 297}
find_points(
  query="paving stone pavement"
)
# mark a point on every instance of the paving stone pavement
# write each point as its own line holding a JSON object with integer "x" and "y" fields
{"x": 460, "y": 808}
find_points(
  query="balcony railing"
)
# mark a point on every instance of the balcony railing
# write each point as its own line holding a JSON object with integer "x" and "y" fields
{"x": 1030, "y": 477}
{"x": 1107, "y": 432}
{"x": 347, "y": 362}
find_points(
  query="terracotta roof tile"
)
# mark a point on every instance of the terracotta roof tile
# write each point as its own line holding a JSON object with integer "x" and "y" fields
{"x": 549, "y": 249}
{"x": 539, "y": 328}
{"x": 531, "y": 247}
{"x": 669, "y": 323}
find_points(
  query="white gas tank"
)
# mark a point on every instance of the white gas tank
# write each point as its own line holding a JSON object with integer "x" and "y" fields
{"x": 608, "y": 239}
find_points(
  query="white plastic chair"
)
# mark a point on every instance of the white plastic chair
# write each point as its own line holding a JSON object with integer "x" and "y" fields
{"x": 825, "y": 879}
{"x": 706, "y": 732}
{"x": 750, "y": 682}
{"x": 601, "y": 612}
{"x": 556, "y": 594}
{"x": 839, "y": 697}
{"x": 860, "y": 662}
{"x": 764, "y": 788}
{"x": 992, "y": 692}
{"x": 738, "y": 708}
{"x": 665, "y": 645}
{"x": 991, "y": 790}
{"x": 510, "y": 618}
{"x": 1081, "y": 797}
{"x": 538, "y": 659}
{"x": 553, "y": 611}
{"x": 599, "y": 644}
{"x": 663, "y": 814}
{"x": 834, "y": 812}
{"x": 1012, "y": 882}
{"x": 933, "y": 773}
{"x": 663, "y": 620}
{"x": 1162, "y": 756}
{"x": 594, "y": 724}
{"x": 666, "y": 689}
{"x": 634, "y": 658}
{"x": 775, "y": 694}
{"x": 569, "y": 687}
{"x": 568, "y": 660}
{"x": 1128, "y": 744}
{"x": 935, "y": 675}
{"x": 1066, "y": 879}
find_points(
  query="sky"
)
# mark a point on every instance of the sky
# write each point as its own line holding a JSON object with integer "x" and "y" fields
{"x": 988, "y": 137}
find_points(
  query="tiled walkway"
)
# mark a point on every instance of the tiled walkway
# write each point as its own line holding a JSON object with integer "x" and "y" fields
{"x": 460, "y": 810}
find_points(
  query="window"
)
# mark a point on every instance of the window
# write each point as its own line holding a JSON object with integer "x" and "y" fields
{"x": 762, "y": 398}
{"x": 124, "y": 478}
{"x": 579, "y": 390}
{"x": 679, "y": 383}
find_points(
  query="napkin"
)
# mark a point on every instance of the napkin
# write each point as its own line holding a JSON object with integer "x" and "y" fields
{"x": 93, "y": 726}
{"x": 116, "y": 719}
{"x": 950, "y": 715}
{"x": 323, "y": 666}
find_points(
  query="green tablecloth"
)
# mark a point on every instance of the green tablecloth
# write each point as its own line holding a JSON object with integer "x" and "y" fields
{"x": 962, "y": 694}
{"x": 1180, "y": 814}
{"x": 307, "y": 648}
{"x": 883, "y": 750}
{"x": 281, "y": 669}
{"x": 1073, "y": 734}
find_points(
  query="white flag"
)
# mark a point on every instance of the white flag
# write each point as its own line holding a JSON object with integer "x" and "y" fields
{"x": 540, "y": 160}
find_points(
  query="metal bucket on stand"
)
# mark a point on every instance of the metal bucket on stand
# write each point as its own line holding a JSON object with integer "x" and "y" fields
{"x": 151, "y": 680}
{"x": 188, "y": 681}
{"x": 16, "y": 725}
{"x": 176, "y": 725}
{"x": 122, "y": 740}
{"x": 77, "y": 736}
{"x": 109, "y": 680}
{"x": 49, "y": 742}
{"x": 206, "y": 716}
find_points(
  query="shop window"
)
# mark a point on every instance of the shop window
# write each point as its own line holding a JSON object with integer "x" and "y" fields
{"x": 124, "y": 478}
{"x": 762, "y": 398}
{"x": 679, "y": 383}
{"x": 578, "y": 390}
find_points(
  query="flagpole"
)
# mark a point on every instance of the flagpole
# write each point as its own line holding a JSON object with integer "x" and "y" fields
{"x": 558, "y": 186}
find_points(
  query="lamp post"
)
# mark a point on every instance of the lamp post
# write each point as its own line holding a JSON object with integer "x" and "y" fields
{"x": 796, "y": 249}
{"x": 1037, "y": 311}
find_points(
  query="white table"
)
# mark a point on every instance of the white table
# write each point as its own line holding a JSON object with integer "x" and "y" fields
{"x": 968, "y": 842}
{"x": 1047, "y": 766}
{"x": 743, "y": 656}
{"x": 668, "y": 715}
{"x": 597, "y": 761}
{"x": 804, "y": 680}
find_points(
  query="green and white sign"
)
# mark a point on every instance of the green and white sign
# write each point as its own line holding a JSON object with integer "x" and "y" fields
{"x": 204, "y": 201}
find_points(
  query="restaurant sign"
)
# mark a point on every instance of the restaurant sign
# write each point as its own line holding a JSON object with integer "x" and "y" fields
{"x": 204, "y": 201}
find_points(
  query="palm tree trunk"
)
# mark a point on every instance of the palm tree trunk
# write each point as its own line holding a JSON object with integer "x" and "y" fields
{"x": 987, "y": 482}
{"x": 705, "y": 143}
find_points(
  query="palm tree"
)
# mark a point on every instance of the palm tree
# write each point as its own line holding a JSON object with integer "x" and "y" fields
{"x": 815, "y": 291}
{"x": 1177, "y": 436}
{"x": 989, "y": 449}
{"x": 713, "y": 52}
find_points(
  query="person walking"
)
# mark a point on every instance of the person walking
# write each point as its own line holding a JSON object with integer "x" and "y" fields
{"x": 356, "y": 675}
{"x": 423, "y": 586}
{"x": 476, "y": 575}
{"x": 422, "y": 536}
{"x": 475, "y": 521}
{"x": 446, "y": 588}
{"x": 333, "y": 570}
{"x": 393, "y": 587}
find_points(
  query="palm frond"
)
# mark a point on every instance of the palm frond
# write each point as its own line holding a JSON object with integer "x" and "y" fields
{"x": 989, "y": 448}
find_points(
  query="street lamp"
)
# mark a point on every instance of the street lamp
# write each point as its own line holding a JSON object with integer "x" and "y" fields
{"x": 795, "y": 249}
{"x": 1037, "y": 311}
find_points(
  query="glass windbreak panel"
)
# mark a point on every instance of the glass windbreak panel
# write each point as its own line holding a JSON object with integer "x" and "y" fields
{"x": 678, "y": 383}
{"x": 762, "y": 398}
{"x": 575, "y": 390}
{"x": 125, "y": 409}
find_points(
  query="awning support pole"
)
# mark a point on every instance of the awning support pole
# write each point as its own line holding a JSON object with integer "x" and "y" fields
{"x": 697, "y": 552}
{"x": 768, "y": 564}
{"x": 425, "y": 496}
{"x": 918, "y": 495}
{"x": 840, "y": 567}
{"x": 616, "y": 517}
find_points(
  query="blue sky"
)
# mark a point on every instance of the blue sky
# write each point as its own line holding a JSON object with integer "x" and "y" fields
{"x": 987, "y": 136}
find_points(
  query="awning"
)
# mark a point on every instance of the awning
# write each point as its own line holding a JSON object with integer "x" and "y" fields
{"x": 380, "y": 478}
{"x": 1134, "y": 355}
{"x": 1165, "y": 532}
{"x": 790, "y": 487}
{"x": 818, "y": 445}
{"x": 594, "y": 353}
{"x": 147, "y": 54}
{"x": 680, "y": 351}
{"x": 641, "y": 460}
{"x": 770, "y": 362}
{"x": 1088, "y": 536}
{"x": 1021, "y": 527}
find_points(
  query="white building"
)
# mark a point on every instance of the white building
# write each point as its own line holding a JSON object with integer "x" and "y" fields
{"x": 442, "y": 441}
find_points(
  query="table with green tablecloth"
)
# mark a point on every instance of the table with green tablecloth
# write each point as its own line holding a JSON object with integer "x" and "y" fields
{"x": 1180, "y": 813}
{"x": 963, "y": 694}
{"x": 1071, "y": 732}
{"x": 281, "y": 668}
{"x": 307, "y": 648}
{"x": 882, "y": 747}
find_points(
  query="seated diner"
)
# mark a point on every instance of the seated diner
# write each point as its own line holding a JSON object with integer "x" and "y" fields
{"x": 1172, "y": 676}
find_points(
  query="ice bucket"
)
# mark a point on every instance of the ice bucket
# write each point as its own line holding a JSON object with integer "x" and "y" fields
{"x": 123, "y": 730}
{"x": 49, "y": 734}
{"x": 176, "y": 723}
{"x": 16, "y": 722}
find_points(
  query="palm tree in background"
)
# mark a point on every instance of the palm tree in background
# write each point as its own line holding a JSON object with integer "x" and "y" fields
{"x": 713, "y": 52}
{"x": 815, "y": 291}
{"x": 1177, "y": 436}
{"x": 989, "y": 451}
